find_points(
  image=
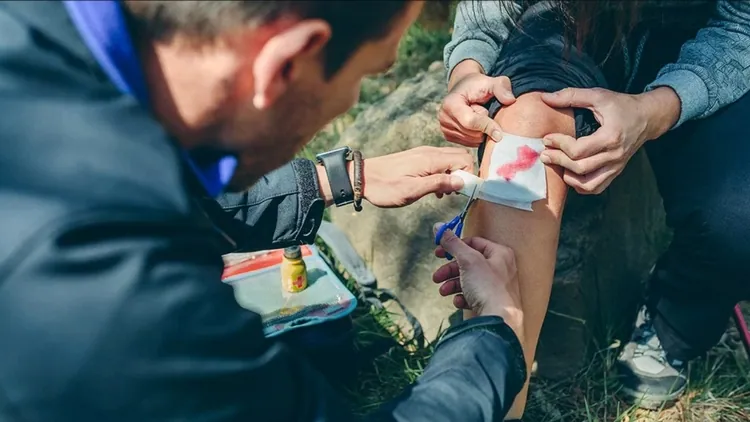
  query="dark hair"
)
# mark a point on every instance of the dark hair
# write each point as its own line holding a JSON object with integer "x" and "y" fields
{"x": 352, "y": 22}
{"x": 585, "y": 20}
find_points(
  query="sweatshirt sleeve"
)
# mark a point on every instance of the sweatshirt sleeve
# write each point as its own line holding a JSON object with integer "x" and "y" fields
{"x": 713, "y": 69}
{"x": 479, "y": 31}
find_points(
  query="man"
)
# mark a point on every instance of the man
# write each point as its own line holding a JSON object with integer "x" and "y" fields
{"x": 677, "y": 76}
{"x": 114, "y": 116}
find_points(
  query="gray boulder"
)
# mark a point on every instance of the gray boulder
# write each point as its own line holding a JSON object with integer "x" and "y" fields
{"x": 607, "y": 244}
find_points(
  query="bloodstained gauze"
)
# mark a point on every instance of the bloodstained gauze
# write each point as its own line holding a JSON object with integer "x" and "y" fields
{"x": 527, "y": 156}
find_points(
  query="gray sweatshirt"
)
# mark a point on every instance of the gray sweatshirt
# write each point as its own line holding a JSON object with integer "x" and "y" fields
{"x": 712, "y": 70}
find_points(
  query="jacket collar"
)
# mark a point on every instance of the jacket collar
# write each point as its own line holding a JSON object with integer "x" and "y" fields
{"x": 103, "y": 28}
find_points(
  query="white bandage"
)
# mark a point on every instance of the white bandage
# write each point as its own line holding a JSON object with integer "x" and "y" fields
{"x": 516, "y": 177}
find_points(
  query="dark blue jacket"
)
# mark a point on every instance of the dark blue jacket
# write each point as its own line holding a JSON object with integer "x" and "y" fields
{"x": 111, "y": 305}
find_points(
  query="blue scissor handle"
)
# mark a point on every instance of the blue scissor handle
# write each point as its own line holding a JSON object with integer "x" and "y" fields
{"x": 456, "y": 223}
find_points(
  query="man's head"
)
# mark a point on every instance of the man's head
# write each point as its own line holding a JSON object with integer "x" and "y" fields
{"x": 261, "y": 77}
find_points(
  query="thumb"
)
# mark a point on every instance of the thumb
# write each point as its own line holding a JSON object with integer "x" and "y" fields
{"x": 570, "y": 97}
{"x": 437, "y": 183}
{"x": 456, "y": 247}
{"x": 479, "y": 122}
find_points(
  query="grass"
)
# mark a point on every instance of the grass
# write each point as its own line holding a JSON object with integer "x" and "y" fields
{"x": 719, "y": 388}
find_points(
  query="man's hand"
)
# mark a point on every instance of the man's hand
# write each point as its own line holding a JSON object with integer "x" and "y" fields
{"x": 627, "y": 122}
{"x": 483, "y": 277}
{"x": 463, "y": 118}
{"x": 397, "y": 180}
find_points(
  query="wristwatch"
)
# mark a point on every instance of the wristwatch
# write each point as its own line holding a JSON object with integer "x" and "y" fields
{"x": 338, "y": 177}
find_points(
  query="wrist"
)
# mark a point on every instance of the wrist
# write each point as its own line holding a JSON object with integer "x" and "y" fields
{"x": 462, "y": 70}
{"x": 662, "y": 109}
{"x": 513, "y": 317}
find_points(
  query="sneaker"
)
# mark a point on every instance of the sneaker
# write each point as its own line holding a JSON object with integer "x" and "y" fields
{"x": 648, "y": 377}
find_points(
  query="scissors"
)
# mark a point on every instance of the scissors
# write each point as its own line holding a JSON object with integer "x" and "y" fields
{"x": 457, "y": 224}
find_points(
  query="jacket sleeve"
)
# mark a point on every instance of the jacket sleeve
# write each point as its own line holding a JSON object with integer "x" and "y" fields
{"x": 124, "y": 318}
{"x": 480, "y": 29}
{"x": 713, "y": 69}
{"x": 282, "y": 209}
{"x": 474, "y": 375}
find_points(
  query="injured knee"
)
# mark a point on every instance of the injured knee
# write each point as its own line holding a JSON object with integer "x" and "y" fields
{"x": 529, "y": 116}
{"x": 512, "y": 173}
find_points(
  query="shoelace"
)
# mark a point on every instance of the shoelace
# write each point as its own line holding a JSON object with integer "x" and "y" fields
{"x": 644, "y": 346}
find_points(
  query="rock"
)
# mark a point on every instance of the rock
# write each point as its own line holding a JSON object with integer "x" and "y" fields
{"x": 607, "y": 245}
{"x": 397, "y": 243}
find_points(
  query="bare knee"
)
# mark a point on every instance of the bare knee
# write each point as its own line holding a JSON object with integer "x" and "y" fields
{"x": 530, "y": 116}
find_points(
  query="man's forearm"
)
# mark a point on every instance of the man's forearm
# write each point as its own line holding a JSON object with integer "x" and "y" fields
{"x": 474, "y": 375}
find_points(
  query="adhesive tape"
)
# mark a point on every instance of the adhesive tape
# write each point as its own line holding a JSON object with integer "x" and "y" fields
{"x": 470, "y": 182}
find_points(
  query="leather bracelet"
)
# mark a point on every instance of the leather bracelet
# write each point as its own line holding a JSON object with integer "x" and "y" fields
{"x": 358, "y": 170}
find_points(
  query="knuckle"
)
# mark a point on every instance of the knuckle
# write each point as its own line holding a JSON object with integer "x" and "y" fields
{"x": 575, "y": 151}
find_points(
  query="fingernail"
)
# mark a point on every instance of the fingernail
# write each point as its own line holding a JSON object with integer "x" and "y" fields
{"x": 496, "y": 135}
{"x": 546, "y": 141}
{"x": 544, "y": 158}
{"x": 457, "y": 183}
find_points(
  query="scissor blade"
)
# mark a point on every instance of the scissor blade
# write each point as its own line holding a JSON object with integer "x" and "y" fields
{"x": 468, "y": 203}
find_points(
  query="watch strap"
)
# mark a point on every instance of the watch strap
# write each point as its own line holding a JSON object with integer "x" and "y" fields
{"x": 335, "y": 163}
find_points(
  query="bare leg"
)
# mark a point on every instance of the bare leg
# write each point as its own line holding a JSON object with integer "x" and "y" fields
{"x": 532, "y": 235}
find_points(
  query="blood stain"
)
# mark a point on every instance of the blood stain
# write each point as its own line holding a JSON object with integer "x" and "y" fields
{"x": 526, "y": 159}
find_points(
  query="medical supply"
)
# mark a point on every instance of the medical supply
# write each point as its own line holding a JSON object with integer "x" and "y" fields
{"x": 293, "y": 270}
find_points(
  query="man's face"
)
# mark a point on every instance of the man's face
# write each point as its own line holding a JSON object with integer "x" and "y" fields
{"x": 266, "y": 137}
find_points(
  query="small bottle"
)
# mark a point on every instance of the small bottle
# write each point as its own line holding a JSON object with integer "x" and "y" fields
{"x": 293, "y": 270}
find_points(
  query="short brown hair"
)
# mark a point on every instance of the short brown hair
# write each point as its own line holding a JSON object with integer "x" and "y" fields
{"x": 352, "y": 22}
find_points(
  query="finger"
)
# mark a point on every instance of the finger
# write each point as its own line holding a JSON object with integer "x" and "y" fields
{"x": 472, "y": 139}
{"x": 579, "y": 167}
{"x": 593, "y": 183}
{"x": 480, "y": 109}
{"x": 470, "y": 120}
{"x": 459, "y": 301}
{"x": 435, "y": 183}
{"x": 576, "y": 149}
{"x": 446, "y": 272}
{"x": 440, "y": 252}
{"x": 572, "y": 97}
{"x": 501, "y": 89}
{"x": 441, "y": 160}
{"x": 452, "y": 107}
{"x": 463, "y": 253}
{"x": 485, "y": 247}
{"x": 450, "y": 287}
{"x": 435, "y": 228}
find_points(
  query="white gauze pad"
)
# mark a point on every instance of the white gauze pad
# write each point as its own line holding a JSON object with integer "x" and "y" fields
{"x": 516, "y": 176}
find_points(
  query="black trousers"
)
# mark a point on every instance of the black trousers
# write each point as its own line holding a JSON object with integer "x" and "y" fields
{"x": 701, "y": 169}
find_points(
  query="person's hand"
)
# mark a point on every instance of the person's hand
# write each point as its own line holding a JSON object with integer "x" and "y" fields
{"x": 627, "y": 122}
{"x": 463, "y": 118}
{"x": 399, "y": 179}
{"x": 482, "y": 277}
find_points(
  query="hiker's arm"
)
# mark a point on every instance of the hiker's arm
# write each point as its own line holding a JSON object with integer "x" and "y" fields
{"x": 479, "y": 32}
{"x": 286, "y": 206}
{"x": 474, "y": 375}
{"x": 713, "y": 69}
{"x": 283, "y": 208}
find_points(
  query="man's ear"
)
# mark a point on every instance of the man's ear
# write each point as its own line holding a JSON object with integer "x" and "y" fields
{"x": 273, "y": 69}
